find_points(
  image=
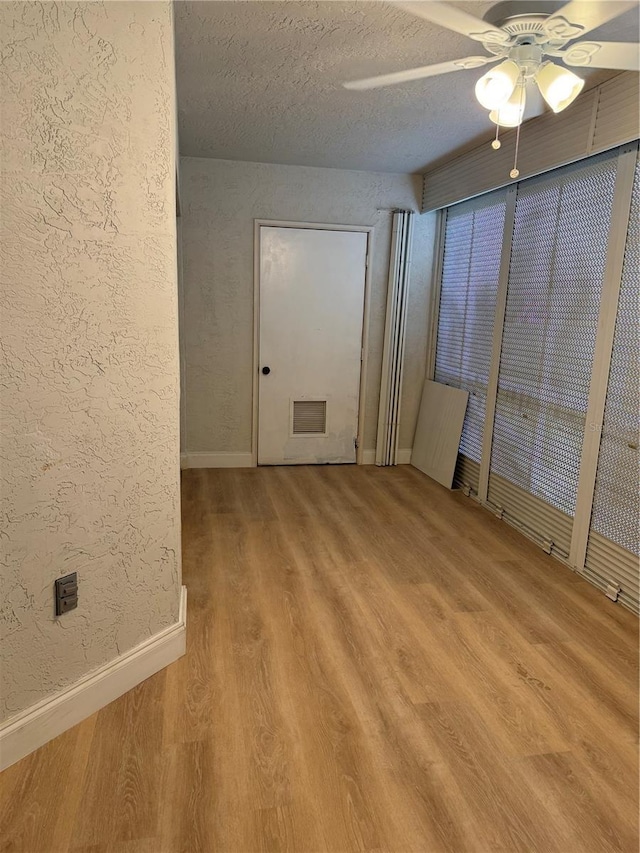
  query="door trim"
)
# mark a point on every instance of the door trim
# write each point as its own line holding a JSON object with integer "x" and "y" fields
{"x": 314, "y": 226}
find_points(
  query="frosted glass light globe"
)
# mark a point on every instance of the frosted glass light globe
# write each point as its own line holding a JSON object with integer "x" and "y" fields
{"x": 495, "y": 87}
{"x": 558, "y": 86}
{"x": 511, "y": 113}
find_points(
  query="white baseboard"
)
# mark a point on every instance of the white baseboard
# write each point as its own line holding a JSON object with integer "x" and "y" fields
{"x": 39, "y": 724}
{"x": 216, "y": 460}
{"x": 404, "y": 456}
{"x": 245, "y": 460}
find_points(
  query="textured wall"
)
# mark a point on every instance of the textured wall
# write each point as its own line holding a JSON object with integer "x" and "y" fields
{"x": 89, "y": 337}
{"x": 220, "y": 200}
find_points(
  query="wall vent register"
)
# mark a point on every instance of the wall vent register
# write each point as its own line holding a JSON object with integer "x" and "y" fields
{"x": 309, "y": 417}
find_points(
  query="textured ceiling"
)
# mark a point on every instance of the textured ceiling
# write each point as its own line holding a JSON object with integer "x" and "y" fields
{"x": 261, "y": 81}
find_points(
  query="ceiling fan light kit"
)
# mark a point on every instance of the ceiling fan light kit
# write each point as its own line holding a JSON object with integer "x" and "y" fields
{"x": 558, "y": 86}
{"x": 521, "y": 34}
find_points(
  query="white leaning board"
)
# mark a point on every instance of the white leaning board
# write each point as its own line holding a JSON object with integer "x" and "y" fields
{"x": 438, "y": 431}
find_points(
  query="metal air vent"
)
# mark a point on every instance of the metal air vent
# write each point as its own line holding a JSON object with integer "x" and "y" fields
{"x": 309, "y": 417}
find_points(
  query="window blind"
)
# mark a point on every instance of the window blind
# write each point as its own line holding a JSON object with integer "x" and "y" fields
{"x": 469, "y": 284}
{"x": 557, "y": 238}
{"x": 613, "y": 548}
{"x": 558, "y": 258}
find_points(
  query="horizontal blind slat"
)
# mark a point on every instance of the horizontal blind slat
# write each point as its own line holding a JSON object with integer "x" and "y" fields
{"x": 545, "y": 520}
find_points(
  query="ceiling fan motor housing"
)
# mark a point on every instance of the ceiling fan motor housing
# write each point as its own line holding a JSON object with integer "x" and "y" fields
{"x": 526, "y": 24}
{"x": 527, "y": 57}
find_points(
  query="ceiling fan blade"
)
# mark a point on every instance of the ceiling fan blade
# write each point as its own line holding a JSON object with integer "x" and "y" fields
{"x": 603, "y": 54}
{"x": 455, "y": 19}
{"x": 579, "y": 17}
{"x": 420, "y": 73}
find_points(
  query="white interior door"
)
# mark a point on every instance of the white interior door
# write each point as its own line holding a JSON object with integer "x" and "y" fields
{"x": 311, "y": 311}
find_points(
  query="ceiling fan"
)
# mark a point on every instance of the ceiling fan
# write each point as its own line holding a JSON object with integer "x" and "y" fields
{"x": 521, "y": 35}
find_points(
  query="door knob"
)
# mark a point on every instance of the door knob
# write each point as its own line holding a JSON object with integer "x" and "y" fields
{"x": 266, "y": 370}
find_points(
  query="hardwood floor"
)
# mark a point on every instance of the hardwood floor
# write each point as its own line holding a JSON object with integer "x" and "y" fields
{"x": 374, "y": 664}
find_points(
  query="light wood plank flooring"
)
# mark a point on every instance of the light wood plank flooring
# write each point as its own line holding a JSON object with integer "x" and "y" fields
{"x": 373, "y": 664}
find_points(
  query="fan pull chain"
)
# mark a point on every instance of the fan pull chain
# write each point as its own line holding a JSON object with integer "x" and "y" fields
{"x": 496, "y": 142}
{"x": 515, "y": 172}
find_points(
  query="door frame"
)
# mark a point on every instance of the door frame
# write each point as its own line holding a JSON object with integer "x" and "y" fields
{"x": 314, "y": 226}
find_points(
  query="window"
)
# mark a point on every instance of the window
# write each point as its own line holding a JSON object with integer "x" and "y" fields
{"x": 535, "y": 365}
{"x": 558, "y": 259}
{"x": 616, "y": 505}
{"x": 470, "y": 270}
